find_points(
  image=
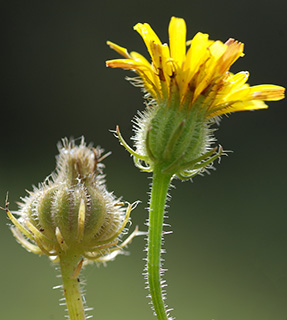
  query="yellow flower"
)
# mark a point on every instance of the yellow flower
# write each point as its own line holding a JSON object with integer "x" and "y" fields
{"x": 188, "y": 85}
{"x": 187, "y": 71}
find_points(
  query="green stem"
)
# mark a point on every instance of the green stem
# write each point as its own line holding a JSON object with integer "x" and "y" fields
{"x": 71, "y": 285}
{"x": 159, "y": 191}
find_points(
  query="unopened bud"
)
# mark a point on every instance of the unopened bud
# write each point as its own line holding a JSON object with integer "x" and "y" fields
{"x": 72, "y": 211}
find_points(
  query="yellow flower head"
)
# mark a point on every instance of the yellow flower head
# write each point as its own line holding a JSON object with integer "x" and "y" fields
{"x": 188, "y": 85}
{"x": 197, "y": 68}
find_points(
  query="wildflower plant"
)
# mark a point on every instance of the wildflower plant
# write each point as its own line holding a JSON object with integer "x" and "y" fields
{"x": 73, "y": 219}
{"x": 187, "y": 87}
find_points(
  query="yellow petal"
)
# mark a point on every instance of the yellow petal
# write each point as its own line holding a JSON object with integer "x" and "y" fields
{"x": 121, "y": 50}
{"x": 208, "y": 70}
{"x": 249, "y": 105}
{"x": 196, "y": 56}
{"x": 238, "y": 79}
{"x": 162, "y": 67}
{"x": 148, "y": 35}
{"x": 177, "y": 40}
{"x": 233, "y": 51}
{"x": 166, "y": 61}
{"x": 140, "y": 58}
{"x": 233, "y": 83}
{"x": 126, "y": 64}
{"x": 236, "y": 106}
{"x": 262, "y": 92}
{"x": 267, "y": 92}
{"x": 197, "y": 52}
{"x": 217, "y": 49}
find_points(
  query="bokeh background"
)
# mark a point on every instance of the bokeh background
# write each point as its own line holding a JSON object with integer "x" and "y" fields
{"x": 227, "y": 254}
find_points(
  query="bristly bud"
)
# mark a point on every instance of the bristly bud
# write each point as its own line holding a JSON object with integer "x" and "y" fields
{"x": 72, "y": 211}
{"x": 177, "y": 141}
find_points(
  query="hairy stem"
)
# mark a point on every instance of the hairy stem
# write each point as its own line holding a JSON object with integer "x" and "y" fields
{"x": 71, "y": 285}
{"x": 159, "y": 191}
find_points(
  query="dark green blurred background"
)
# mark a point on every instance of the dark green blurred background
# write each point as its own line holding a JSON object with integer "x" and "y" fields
{"x": 227, "y": 256}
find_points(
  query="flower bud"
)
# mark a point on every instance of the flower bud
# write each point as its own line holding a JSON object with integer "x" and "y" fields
{"x": 72, "y": 211}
